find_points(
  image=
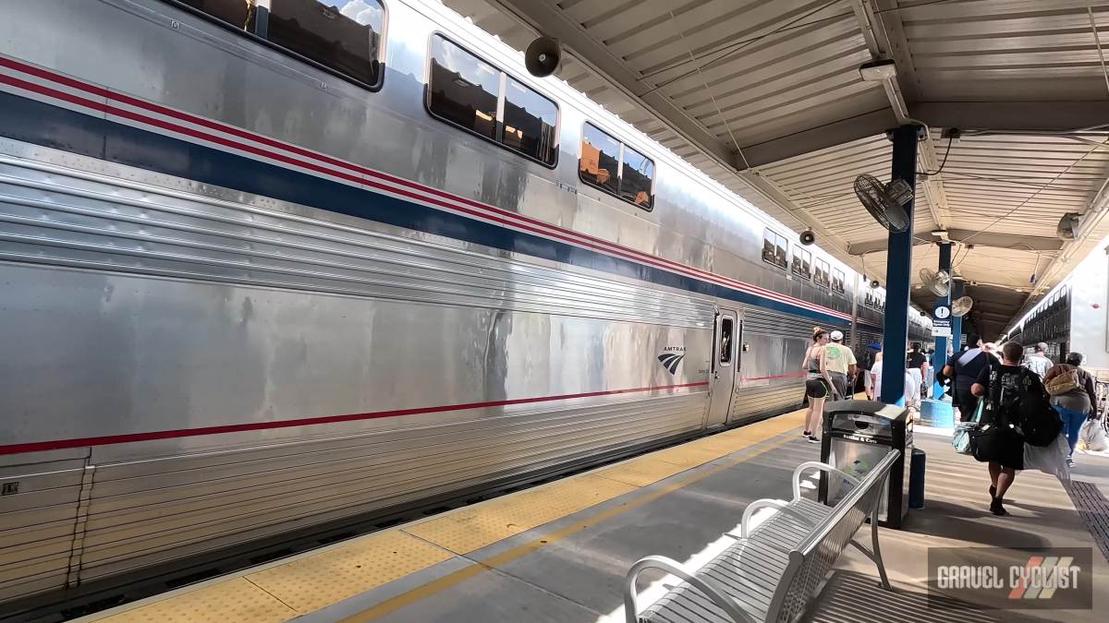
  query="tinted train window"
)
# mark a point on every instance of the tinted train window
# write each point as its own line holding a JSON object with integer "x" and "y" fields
{"x": 600, "y": 159}
{"x": 822, "y": 277}
{"x": 635, "y": 178}
{"x": 463, "y": 90}
{"x": 802, "y": 263}
{"x": 237, "y": 13}
{"x": 529, "y": 122}
{"x": 727, "y": 330}
{"x": 839, "y": 283}
{"x": 466, "y": 91}
{"x": 344, "y": 35}
{"x": 774, "y": 248}
{"x": 616, "y": 168}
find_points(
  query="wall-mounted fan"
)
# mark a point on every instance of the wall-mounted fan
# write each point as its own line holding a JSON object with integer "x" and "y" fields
{"x": 938, "y": 281}
{"x": 961, "y": 306}
{"x": 885, "y": 202}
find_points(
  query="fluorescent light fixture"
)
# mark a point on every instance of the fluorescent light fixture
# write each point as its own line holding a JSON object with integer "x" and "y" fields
{"x": 877, "y": 71}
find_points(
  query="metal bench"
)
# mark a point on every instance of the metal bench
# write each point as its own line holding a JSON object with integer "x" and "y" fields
{"x": 771, "y": 572}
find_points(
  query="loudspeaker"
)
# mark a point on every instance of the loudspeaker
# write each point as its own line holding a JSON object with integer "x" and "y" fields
{"x": 807, "y": 237}
{"x": 874, "y": 283}
{"x": 542, "y": 57}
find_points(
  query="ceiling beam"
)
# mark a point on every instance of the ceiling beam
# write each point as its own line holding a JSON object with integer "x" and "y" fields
{"x": 1050, "y": 117}
{"x": 836, "y": 133}
{"x": 978, "y": 238}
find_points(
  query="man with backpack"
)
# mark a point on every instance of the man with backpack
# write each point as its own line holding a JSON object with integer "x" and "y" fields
{"x": 1016, "y": 411}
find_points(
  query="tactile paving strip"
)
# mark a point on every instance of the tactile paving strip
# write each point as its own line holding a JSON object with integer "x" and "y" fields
{"x": 316, "y": 581}
{"x": 229, "y": 601}
{"x": 1093, "y": 507}
{"x": 471, "y": 528}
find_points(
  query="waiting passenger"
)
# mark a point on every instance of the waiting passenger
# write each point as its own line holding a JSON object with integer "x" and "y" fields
{"x": 1038, "y": 361}
{"x": 911, "y": 392}
{"x": 1073, "y": 396}
{"x": 817, "y": 384}
{"x": 840, "y": 361}
{"x": 963, "y": 370}
{"x": 916, "y": 365}
{"x": 873, "y": 354}
{"x": 1011, "y": 392}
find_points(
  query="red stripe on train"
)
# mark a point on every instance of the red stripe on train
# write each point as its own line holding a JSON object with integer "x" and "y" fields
{"x": 60, "y": 444}
{"x": 514, "y": 219}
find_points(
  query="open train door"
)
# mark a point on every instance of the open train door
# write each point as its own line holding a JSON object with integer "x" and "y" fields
{"x": 724, "y": 365}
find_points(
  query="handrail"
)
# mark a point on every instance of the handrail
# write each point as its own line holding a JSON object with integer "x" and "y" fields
{"x": 824, "y": 467}
{"x": 722, "y": 601}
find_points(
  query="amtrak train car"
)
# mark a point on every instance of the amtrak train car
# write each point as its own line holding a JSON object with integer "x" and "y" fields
{"x": 272, "y": 264}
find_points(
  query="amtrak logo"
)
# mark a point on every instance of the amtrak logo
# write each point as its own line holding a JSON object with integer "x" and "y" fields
{"x": 670, "y": 360}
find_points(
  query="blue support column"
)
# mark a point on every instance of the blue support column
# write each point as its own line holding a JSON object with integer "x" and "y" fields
{"x": 899, "y": 261}
{"x": 956, "y": 323}
{"x": 940, "y": 356}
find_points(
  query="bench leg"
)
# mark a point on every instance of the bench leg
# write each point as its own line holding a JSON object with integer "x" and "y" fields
{"x": 875, "y": 552}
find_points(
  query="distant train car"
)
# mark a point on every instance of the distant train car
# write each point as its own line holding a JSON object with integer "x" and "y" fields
{"x": 266, "y": 268}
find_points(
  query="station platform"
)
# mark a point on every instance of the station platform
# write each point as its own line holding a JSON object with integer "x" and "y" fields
{"x": 559, "y": 552}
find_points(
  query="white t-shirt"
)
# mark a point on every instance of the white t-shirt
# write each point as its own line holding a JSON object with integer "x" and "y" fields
{"x": 912, "y": 390}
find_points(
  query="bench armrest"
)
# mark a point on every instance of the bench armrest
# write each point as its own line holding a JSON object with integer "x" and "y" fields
{"x": 722, "y": 601}
{"x": 783, "y": 507}
{"x": 817, "y": 465}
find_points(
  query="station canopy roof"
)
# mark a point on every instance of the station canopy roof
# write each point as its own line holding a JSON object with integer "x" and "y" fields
{"x": 766, "y": 97}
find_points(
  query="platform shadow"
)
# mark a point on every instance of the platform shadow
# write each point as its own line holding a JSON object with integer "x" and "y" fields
{"x": 857, "y": 598}
{"x": 964, "y": 523}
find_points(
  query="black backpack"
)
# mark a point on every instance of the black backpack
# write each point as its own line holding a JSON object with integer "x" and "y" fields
{"x": 1019, "y": 398}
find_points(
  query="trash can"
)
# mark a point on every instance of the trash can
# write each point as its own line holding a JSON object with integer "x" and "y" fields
{"x": 857, "y": 434}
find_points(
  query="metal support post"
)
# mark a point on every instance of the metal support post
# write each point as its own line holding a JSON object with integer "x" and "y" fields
{"x": 899, "y": 261}
{"x": 939, "y": 358}
{"x": 956, "y": 323}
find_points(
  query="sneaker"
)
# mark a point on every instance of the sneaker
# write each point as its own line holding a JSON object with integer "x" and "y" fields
{"x": 812, "y": 439}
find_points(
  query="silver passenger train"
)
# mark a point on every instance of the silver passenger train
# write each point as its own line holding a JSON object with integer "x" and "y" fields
{"x": 270, "y": 264}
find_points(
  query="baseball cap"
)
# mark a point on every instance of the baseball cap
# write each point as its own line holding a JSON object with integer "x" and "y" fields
{"x": 837, "y": 336}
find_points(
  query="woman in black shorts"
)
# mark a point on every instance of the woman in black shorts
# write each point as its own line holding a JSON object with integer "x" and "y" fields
{"x": 817, "y": 383}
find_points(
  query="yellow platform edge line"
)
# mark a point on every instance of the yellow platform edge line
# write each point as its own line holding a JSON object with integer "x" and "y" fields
{"x": 293, "y": 592}
{"x": 433, "y": 587}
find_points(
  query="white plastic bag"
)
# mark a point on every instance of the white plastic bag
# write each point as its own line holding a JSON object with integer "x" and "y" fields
{"x": 1049, "y": 459}
{"x": 1093, "y": 436}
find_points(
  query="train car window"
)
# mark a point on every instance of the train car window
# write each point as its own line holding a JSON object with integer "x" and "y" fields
{"x": 600, "y": 160}
{"x": 839, "y": 281}
{"x": 802, "y": 263}
{"x": 774, "y": 249}
{"x": 529, "y": 122}
{"x": 343, "y": 35}
{"x": 237, "y": 13}
{"x": 636, "y": 175}
{"x": 463, "y": 89}
{"x": 727, "y": 329}
{"x": 822, "y": 277}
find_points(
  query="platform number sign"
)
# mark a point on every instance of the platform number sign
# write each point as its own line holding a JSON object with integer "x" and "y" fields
{"x": 941, "y": 321}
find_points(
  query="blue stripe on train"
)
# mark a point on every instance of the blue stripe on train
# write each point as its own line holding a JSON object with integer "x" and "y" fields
{"x": 51, "y": 126}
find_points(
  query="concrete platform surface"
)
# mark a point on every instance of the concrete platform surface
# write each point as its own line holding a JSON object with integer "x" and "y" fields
{"x": 559, "y": 552}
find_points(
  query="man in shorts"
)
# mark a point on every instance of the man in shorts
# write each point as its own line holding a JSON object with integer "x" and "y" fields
{"x": 840, "y": 362}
